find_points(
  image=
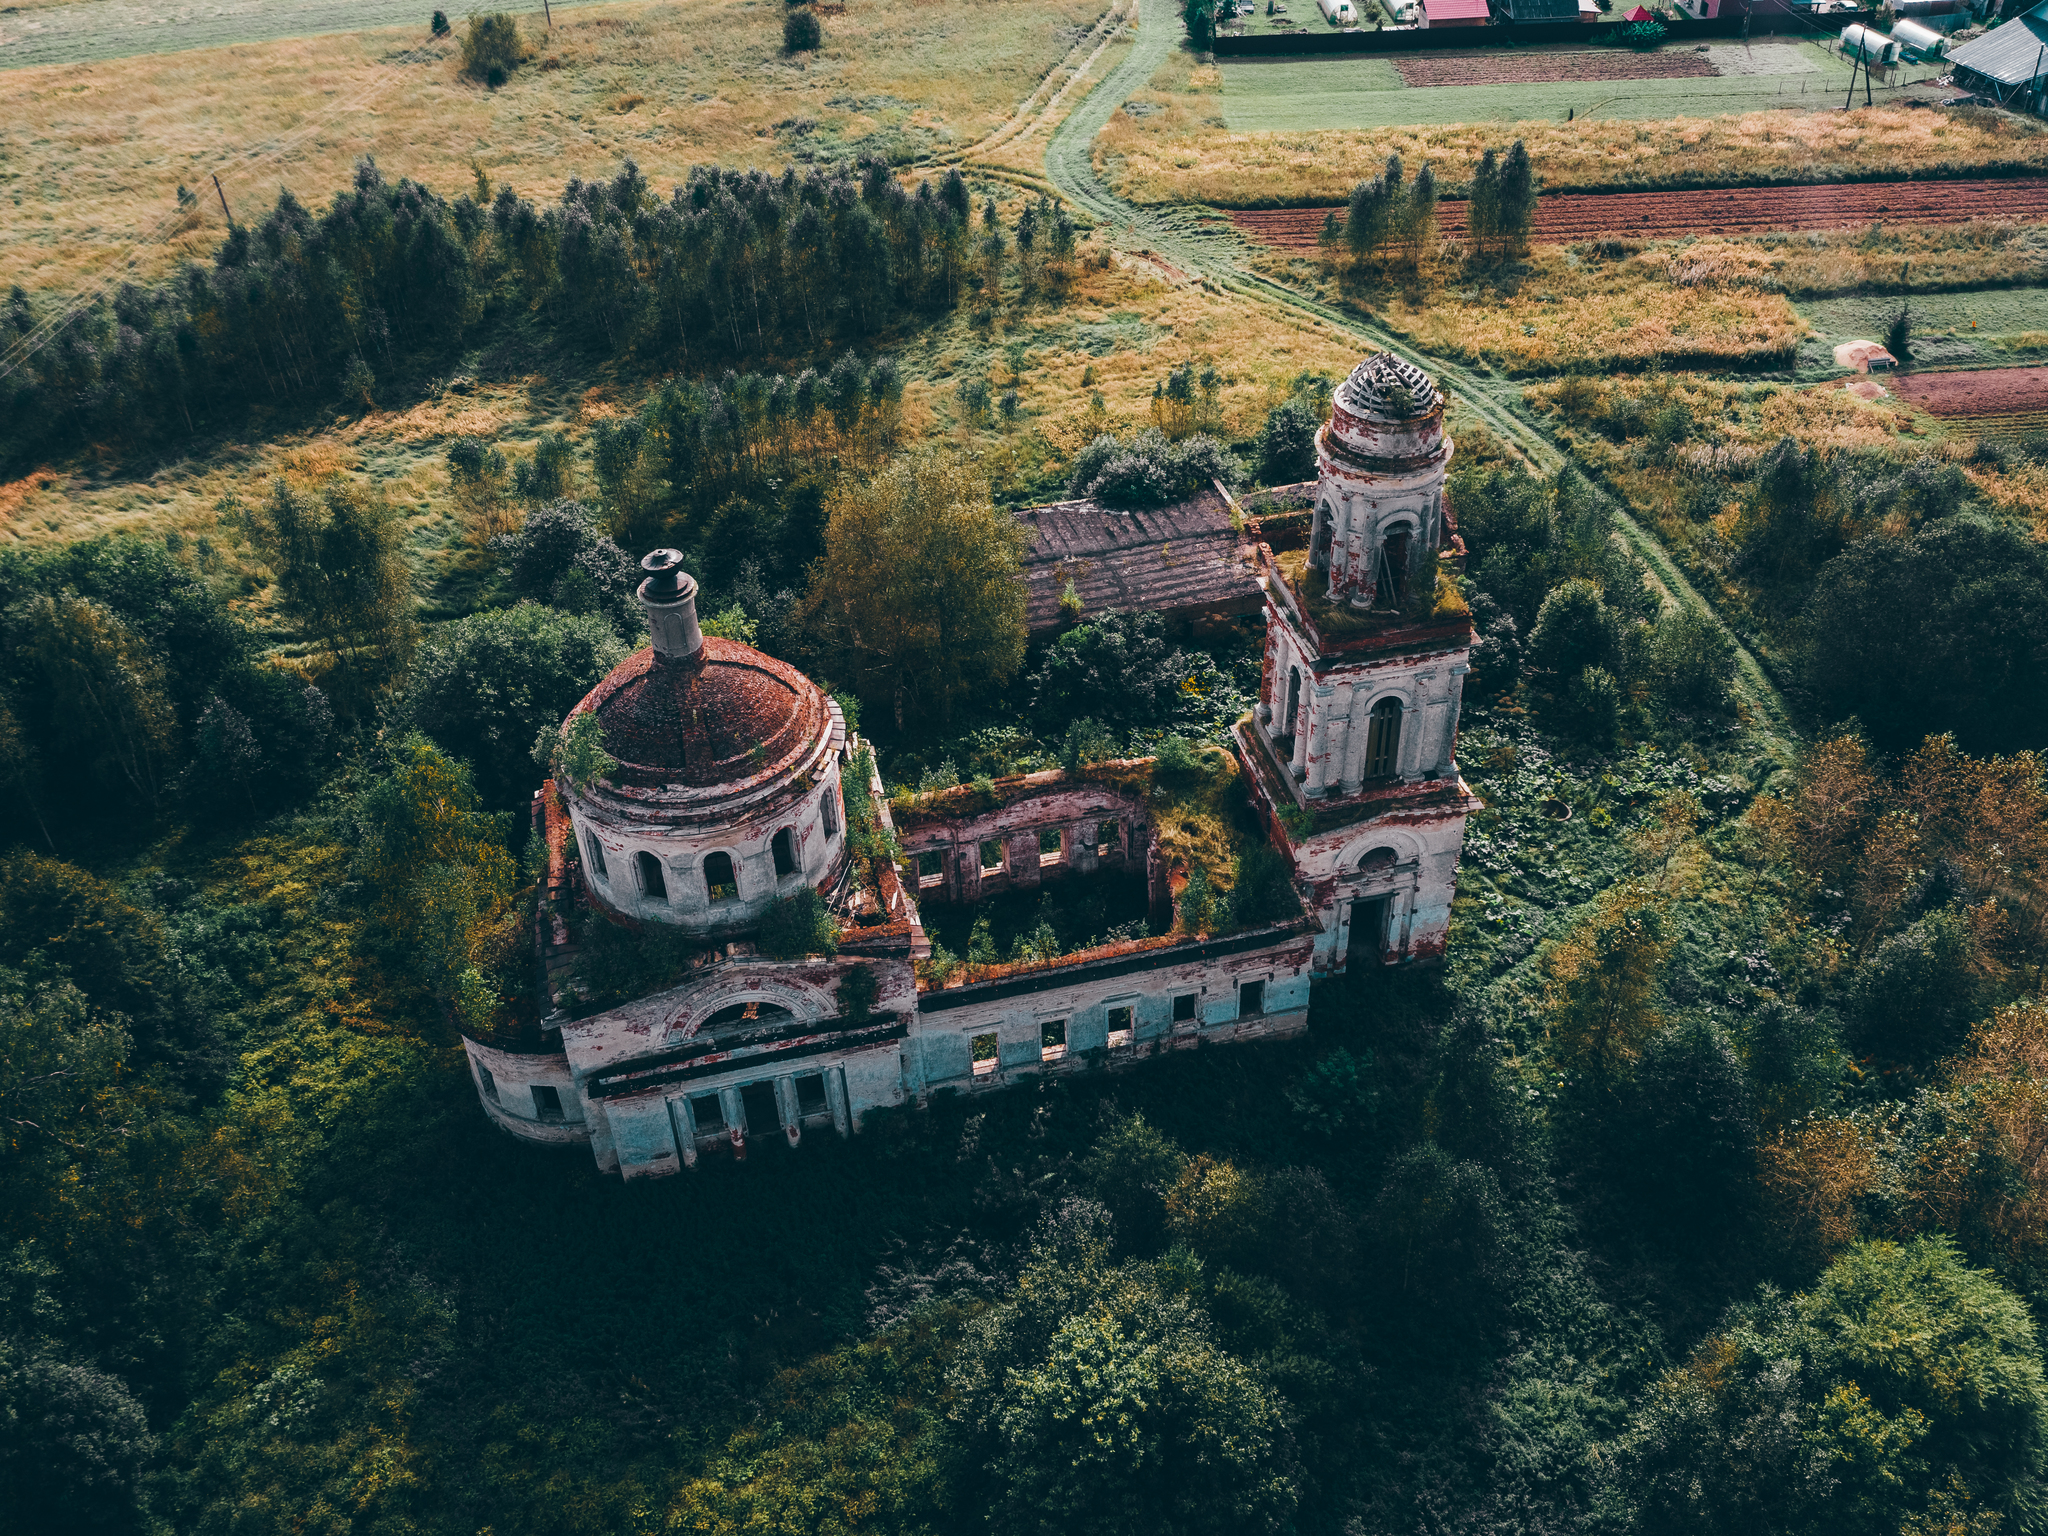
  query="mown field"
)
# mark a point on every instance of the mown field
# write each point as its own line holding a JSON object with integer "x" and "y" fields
{"x": 91, "y": 155}
{"x": 1319, "y": 94}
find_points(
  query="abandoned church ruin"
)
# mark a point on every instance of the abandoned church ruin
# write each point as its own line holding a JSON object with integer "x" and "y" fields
{"x": 735, "y": 787}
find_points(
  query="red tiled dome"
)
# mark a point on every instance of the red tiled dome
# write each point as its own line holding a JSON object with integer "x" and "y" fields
{"x": 727, "y": 715}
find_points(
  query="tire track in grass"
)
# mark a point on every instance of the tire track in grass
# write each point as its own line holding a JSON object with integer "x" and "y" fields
{"x": 1215, "y": 256}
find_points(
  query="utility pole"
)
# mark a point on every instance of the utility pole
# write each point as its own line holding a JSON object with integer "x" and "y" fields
{"x": 546, "y": 11}
{"x": 1851, "y": 96}
{"x": 223, "y": 201}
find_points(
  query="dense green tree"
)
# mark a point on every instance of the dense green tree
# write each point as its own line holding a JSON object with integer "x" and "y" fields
{"x": 484, "y": 686}
{"x": 1575, "y": 629}
{"x": 1119, "y": 668}
{"x": 1944, "y": 631}
{"x": 916, "y": 600}
{"x": 1095, "y": 1399}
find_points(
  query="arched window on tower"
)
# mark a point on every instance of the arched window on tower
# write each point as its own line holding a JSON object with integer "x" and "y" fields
{"x": 1391, "y": 586}
{"x": 653, "y": 883}
{"x": 1383, "y": 740}
{"x": 1293, "y": 701}
{"x": 784, "y": 847}
{"x": 719, "y": 881}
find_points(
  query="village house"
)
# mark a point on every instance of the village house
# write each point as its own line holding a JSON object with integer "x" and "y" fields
{"x": 734, "y": 788}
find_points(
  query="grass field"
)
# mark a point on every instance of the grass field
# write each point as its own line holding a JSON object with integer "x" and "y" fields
{"x": 55, "y": 32}
{"x": 1178, "y": 148}
{"x": 91, "y": 155}
{"x": 1290, "y": 95}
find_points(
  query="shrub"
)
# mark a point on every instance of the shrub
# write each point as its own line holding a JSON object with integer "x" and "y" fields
{"x": 801, "y": 32}
{"x": 1691, "y": 660}
{"x": 1148, "y": 470}
{"x": 490, "y": 48}
{"x": 359, "y": 384}
{"x": 1287, "y": 444}
{"x": 1575, "y": 629}
{"x": 1596, "y": 704}
{"x": 440, "y": 24}
{"x": 800, "y": 925}
{"x": 1118, "y": 668}
{"x": 1898, "y": 335}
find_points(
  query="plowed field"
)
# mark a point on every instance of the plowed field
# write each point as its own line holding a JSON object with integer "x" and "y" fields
{"x": 1993, "y": 402}
{"x": 1738, "y": 211}
{"x": 1546, "y": 68}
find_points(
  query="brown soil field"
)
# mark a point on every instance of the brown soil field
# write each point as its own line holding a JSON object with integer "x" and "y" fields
{"x": 1745, "y": 210}
{"x": 1977, "y": 395}
{"x": 1530, "y": 69}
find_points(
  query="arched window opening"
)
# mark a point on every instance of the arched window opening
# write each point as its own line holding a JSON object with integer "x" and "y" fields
{"x": 1377, "y": 859}
{"x": 784, "y": 847}
{"x": 719, "y": 881}
{"x": 653, "y": 883}
{"x": 1392, "y": 584}
{"x": 1325, "y": 534}
{"x": 828, "y": 807}
{"x": 595, "y": 850}
{"x": 1293, "y": 700}
{"x": 1383, "y": 739}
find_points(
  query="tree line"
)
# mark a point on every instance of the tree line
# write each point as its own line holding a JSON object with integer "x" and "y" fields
{"x": 731, "y": 265}
{"x": 1389, "y": 217}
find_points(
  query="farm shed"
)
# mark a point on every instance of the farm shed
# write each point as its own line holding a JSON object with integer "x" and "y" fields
{"x": 1917, "y": 42}
{"x": 2007, "y": 62}
{"x": 1187, "y": 561}
{"x": 1455, "y": 13}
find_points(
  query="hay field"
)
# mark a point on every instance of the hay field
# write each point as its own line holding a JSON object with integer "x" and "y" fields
{"x": 1177, "y": 149}
{"x": 91, "y": 155}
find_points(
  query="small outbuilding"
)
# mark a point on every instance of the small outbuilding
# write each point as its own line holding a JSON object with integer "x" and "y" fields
{"x": 1455, "y": 13}
{"x": 1864, "y": 357}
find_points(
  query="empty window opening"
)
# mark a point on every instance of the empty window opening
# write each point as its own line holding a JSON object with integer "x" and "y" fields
{"x": 707, "y": 1114}
{"x": 488, "y": 1083}
{"x": 931, "y": 867}
{"x": 1122, "y": 1025}
{"x": 746, "y": 1014}
{"x": 1049, "y": 845}
{"x": 784, "y": 848}
{"x": 595, "y": 851}
{"x": 1052, "y": 1040}
{"x": 653, "y": 884}
{"x": 763, "y": 1115}
{"x": 810, "y": 1095}
{"x": 983, "y": 1052}
{"x": 547, "y": 1102}
{"x": 1383, "y": 739}
{"x": 992, "y": 854}
{"x": 1184, "y": 1008}
{"x": 1369, "y": 927}
{"x": 1109, "y": 836}
{"x": 1393, "y": 573}
{"x": 1326, "y": 530}
{"x": 828, "y": 810}
{"x": 719, "y": 881}
{"x": 1379, "y": 858}
{"x": 1251, "y": 999}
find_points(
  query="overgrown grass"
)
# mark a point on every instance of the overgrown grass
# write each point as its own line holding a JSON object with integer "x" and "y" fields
{"x": 93, "y": 154}
{"x": 1180, "y": 151}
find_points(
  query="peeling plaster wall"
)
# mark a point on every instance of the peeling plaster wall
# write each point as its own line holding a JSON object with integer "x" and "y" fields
{"x": 515, "y": 1075}
{"x": 939, "y": 1052}
{"x": 1076, "y": 811}
{"x": 1337, "y": 693}
{"x": 816, "y": 816}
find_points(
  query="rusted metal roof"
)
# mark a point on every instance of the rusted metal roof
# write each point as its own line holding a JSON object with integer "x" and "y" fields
{"x": 1185, "y": 561}
{"x": 720, "y": 718}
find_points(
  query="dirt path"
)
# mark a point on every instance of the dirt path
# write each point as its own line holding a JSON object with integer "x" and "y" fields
{"x": 1736, "y": 211}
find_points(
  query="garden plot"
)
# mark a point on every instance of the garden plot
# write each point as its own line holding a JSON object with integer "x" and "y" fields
{"x": 1285, "y": 94}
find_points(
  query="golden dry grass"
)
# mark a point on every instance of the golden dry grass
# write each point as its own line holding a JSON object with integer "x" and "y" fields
{"x": 1181, "y": 153}
{"x": 95, "y": 152}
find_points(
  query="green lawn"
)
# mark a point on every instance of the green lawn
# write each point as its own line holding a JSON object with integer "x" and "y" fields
{"x": 1941, "y": 326}
{"x": 1265, "y": 95}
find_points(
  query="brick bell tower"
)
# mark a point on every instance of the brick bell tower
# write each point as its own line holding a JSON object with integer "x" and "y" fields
{"x": 1353, "y": 744}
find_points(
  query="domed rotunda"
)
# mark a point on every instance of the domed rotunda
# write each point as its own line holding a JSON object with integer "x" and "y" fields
{"x": 726, "y": 796}
{"x": 1381, "y": 461}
